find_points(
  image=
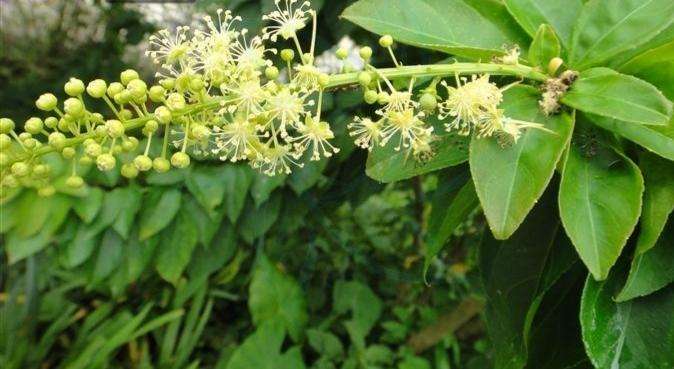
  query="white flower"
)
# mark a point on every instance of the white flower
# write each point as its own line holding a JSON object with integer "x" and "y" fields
{"x": 236, "y": 139}
{"x": 276, "y": 160}
{"x": 220, "y": 36}
{"x": 306, "y": 77}
{"x": 315, "y": 134}
{"x": 288, "y": 20}
{"x": 249, "y": 55}
{"x": 367, "y": 132}
{"x": 287, "y": 107}
{"x": 169, "y": 48}
{"x": 407, "y": 126}
{"x": 469, "y": 103}
{"x": 244, "y": 94}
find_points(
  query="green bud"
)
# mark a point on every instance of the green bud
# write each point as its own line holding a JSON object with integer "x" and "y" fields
{"x": 386, "y": 41}
{"x": 123, "y": 97}
{"x": 68, "y": 152}
{"x": 51, "y": 122}
{"x": 85, "y": 160}
{"x": 46, "y": 102}
{"x": 101, "y": 131}
{"x": 183, "y": 82}
{"x": 114, "y": 89}
{"x": 428, "y": 102}
{"x": 40, "y": 170}
{"x": 93, "y": 149}
{"x": 97, "y": 88}
{"x": 105, "y": 162}
{"x": 4, "y": 159}
{"x": 33, "y": 125}
{"x": 130, "y": 144}
{"x": 180, "y": 160}
{"x": 365, "y": 78}
{"x": 175, "y": 101}
{"x": 129, "y": 171}
{"x": 63, "y": 125}
{"x": 57, "y": 140}
{"x": 74, "y": 87}
{"x": 168, "y": 83}
{"x": 10, "y": 181}
{"x": 163, "y": 114}
{"x": 151, "y": 125}
{"x": 365, "y": 52}
{"x": 46, "y": 191}
{"x": 137, "y": 88}
{"x": 24, "y": 136}
{"x": 371, "y": 96}
{"x": 75, "y": 182}
{"x": 126, "y": 114}
{"x": 5, "y": 141}
{"x": 157, "y": 93}
{"x": 74, "y": 107}
{"x": 199, "y": 131}
{"x": 20, "y": 169}
{"x": 383, "y": 98}
{"x": 161, "y": 165}
{"x": 197, "y": 84}
{"x": 143, "y": 163}
{"x": 271, "y": 72}
{"x": 114, "y": 128}
{"x": 97, "y": 117}
{"x": 287, "y": 55}
{"x": 30, "y": 143}
{"x": 6, "y": 125}
{"x": 127, "y": 76}
{"x": 342, "y": 53}
{"x": 323, "y": 80}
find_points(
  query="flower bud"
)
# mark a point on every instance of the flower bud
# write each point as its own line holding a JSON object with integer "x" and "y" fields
{"x": 46, "y": 102}
{"x": 428, "y": 102}
{"x": 130, "y": 144}
{"x": 114, "y": 88}
{"x": 151, "y": 125}
{"x": 57, "y": 140}
{"x": 97, "y": 88}
{"x": 371, "y": 96}
{"x": 383, "y": 98}
{"x": 46, "y": 191}
{"x": 126, "y": 114}
{"x": 365, "y": 52}
{"x": 157, "y": 93}
{"x": 287, "y": 55}
{"x": 6, "y": 125}
{"x": 199, "y": 131}
{"x": 342, "y": 53}
{"x": 175, "y": 101}
{"x": 24, "y": 136}
{"x": 4, "y": 159}
{"x": 5, "y": 141}
{"x": 51, "y": 122}
{"x": 271, "y": 72}
{"x": 197, "y": 84}
{"x": 68, "y": 152}
{"x": 33, "y": 125}
{"x": 123, "y": 97}
{"x": 137, "y": 88}
{"x": 85, "y": 160}
{"x": 40, "y": 170}
{"x": 63, "y": 125}
{"x": 73, "y": 107}
{"x": 162, "y": 114}
{"x": 161, "y": 165}
{"x": 20, "y": 169}
{"x": 323, "y": 80}
{"x": 168, "y": 83}
{"x": 183, "y": 82}
{"x": 30, "y": 143}
{"x": 74, "y": 87}
{"x": 10, "y": 181}
{"x": 365, "y": 78}
{"x": 129, "y": 171}
{"x": 386, "y": 41}
{"x": 143, "y": 163}
{"x": 180, "y": 160}
{"x": 554, "y": 65}
{"x": 105, "y": 162}
{"x": 114, "y": 128}
{"x": 93, "y": 149}
{"x": 128, "y": 76}
{"x": 74, "y": 182}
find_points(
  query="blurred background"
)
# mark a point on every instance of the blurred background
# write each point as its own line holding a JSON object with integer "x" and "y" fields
{"x": 218, "y": 266}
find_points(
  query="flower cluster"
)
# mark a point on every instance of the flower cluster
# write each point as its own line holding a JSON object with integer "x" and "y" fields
{"x": 223, "y": 92}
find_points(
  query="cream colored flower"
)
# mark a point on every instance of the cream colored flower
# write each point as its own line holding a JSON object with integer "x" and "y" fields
{"x": 315, "y": 134}
{"x": 288, "y": 19}
{"x": 368, "y": 133}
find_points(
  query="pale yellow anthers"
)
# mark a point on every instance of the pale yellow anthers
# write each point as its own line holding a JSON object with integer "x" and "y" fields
{"x": 469, "y": 103}
{"x": 367, "y": 132}
{"x": 407, "y": 127}
{"x": 168, "y": 48}
{"x": 287, "y": 18}
{"x": 236, "y": 139}
{"x": 315, "y": 134}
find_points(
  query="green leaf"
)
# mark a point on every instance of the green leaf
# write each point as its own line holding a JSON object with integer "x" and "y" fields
{"x": 605, "y": 92}
{"x": 236, "y": 182}
{"x": 634, "y": 334}
{"x": 33, "y": 211}
{"x": 136, "y": 257}
{"x": 531, "y": 14}
{"x": 385, "y": 164}
{"x": 159, "y": 209}
{"x": 325, "y": 343}
{"x": 450, "y": 207}
{"x": 509, "y": 180}
{"x": 657, "y": 139}
{"x": 87, "y": 207}
{"x": 661, "y": 39}
{"x": 516, "y": 273}
{"x": 364, "y": 305}
{"x": 257, "y": 221}
{"x": 544, "y": 47}
{"x": 658, "y": 199}
{"x": 177, "y": 245}
{"x": 131, "y": 204}
{"x": 207, "y": 186}
{"x": 263, "y": 185}
{"x": 261, "y": 350}
{"x": 652, "y": 269}
{"x": 599, "y": 202}
{"x": 277, "y": 297}
{"x": 474, "y": 29}
{"x": 310, "y": 175}
{"x": 108, "y": 258}
{"x": 655, "y": 66}
{"x": 606, "y": 28}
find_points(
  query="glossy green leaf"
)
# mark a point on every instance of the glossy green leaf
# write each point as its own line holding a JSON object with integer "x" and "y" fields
{"x": 130, "y": 206}
{"x": 661, "y": 39}
{"x": 657, "y": 139}
{"x": 87, "y": 207}
{"x": 560, "y": 14}
{"x": 33, "y": 212}
{"x": 509, "y": 180}
{"x": 256, "y": 221}
{"x": 635, "y": 334}
{"x": 474, "y": 29}
{"x": 450, "y": 207}
{"x": 599, "y": 202}
{"x": 236, "y": 182}
{"x": 276, "y": 297}
{"x": 544, "y": 47}
{"x": 263, "y": 185}
{"x": 108, "y": 258}
{"x": 176, "y": 247}
{"x": 310, "y": 175}
{"x": 652, "y": 269}
{"x": 516, "y": 273}
{"x": 136, "y": 257}
{"x": 365, "y": 308}
{"x": 385, "y": 164}
{"x": 658, "y": 199}
{"x": 159, "y": 209}
{"x": 325, "y": 343}
{"x": 606, "y": 28}
{"x": 605, "y": 92}
{"x": 262, "y": 350}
